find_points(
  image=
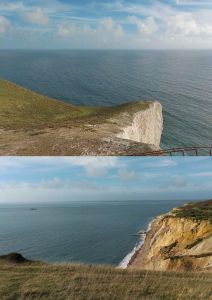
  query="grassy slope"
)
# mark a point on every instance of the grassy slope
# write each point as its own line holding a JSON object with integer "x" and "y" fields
{"x": 195, "y": 210}
{"x": 78, "y": 282}
{"x": 21, "y": 108}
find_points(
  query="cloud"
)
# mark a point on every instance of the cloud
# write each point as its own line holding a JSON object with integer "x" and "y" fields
{"x": 104, "y": 28}
{"x": 37, "y": 16}
{"x": 129, "y": 24}
{"x": 202, "y": 174}
{"x": 54, "y": 183}
{"x": 8, "y": 163}
{"x": 169, "y": 20}
{"x": 179, "y": 181}
{"x": 194, "y": 2}
{"x": 186, "y": 24}
{"x": 95, "y": 166}
{"x": 57, "y": 183}
{"x": 4, "y": 24}
{"x": 73, "y": 29}
{"x": 146, "y": 27}
{"x": 49, "y": 7}
{"x": 43, "y": 179}
{"x": 111, "y": 26}
{"x": 128, "y": 175}
{"x": 92, "y": 165}
{"x": 160, "y": 163}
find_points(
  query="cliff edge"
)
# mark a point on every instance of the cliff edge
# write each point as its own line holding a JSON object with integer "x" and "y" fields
{"x": 178, "y": 241}
{"x": 33, "y": 124}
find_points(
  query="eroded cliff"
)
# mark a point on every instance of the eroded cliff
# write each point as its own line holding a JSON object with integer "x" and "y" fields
{"x": 179, "y": 241}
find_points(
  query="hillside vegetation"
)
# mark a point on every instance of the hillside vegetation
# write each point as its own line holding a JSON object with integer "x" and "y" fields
{"x": 36, "y": 280}
{"x": 22, "y": 108}
{"x": 25, "y": 109}
{"x": 196, "y": 211}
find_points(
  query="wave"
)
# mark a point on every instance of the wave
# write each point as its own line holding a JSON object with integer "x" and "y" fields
{"x": 127, "y": 259}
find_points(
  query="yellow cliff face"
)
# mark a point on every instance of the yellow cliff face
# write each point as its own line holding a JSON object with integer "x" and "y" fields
{"x": 176, "y": 243}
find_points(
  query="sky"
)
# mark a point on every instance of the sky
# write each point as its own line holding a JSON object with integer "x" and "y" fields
{"x": 60, "y": 179}
{"x": 106, "y": 24}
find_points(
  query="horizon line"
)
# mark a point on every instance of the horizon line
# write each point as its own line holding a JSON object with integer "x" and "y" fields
{"x": 106, "y": 49}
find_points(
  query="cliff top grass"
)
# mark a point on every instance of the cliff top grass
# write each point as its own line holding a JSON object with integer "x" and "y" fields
{"x": 24, "y": 109}
{"x": 38, "y": 280}
{"x": 196, "y": 211}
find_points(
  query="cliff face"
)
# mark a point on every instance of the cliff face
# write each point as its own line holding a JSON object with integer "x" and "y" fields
{"x": 176, "y": 243}
{"x": 146, "y": 125}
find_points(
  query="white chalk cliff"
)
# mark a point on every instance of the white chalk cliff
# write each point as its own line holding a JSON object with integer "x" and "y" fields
{"x": 146, "y": 125}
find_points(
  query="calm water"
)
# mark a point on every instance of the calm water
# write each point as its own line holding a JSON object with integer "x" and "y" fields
{"x": 89, "y": 232}
{"x": 180, "y": 80}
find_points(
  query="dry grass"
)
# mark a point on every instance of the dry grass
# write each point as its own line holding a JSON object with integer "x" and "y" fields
{"x": 81, "y": 282}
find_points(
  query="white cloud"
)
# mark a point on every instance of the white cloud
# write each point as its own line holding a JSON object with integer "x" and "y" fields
{"x": 176, "y": 28}
{"x": 128, "y": 175}
{"x": 188, "y": 24}
{"x": 202, "y": 174}
{"x": 57, "y": 183}
{"x": 156, "y": 9}
{"x": 111, "y": 26}
{"x": 73, "y": 29}
{"x": 95, "y": 166}
{"x": 105, "y": 28}
{"x": 160, "y": 163}
{"x": 146, "y": 27}
{"x": 194, "y": 2}
{"x": 159, "y": 25}
{"x": 179, "y": 181}
{"x": 37, "y": 16}
{"x": 182, "y": 24}
{"x": 4, "y": 24}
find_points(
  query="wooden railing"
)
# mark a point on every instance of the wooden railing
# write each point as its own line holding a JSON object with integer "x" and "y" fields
{"x": 186, "y": 151}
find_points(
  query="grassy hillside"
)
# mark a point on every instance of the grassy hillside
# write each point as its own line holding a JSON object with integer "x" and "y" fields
{"x": 23, "y": 108}
{"x": 195, "y": 210}
{"x": 32, "y": 124}
{"x": 28, "y": 280}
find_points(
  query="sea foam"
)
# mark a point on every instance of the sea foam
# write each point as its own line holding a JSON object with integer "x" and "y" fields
{"x": 125, "y": 262}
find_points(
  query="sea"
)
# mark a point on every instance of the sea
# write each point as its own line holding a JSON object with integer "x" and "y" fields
{"x": 91, "y": 232}
{"x": 180, "y": 80}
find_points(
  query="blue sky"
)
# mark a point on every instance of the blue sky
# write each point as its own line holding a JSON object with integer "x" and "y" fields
{"x": 58, "y": 179}
{"x": 105, "y": 24}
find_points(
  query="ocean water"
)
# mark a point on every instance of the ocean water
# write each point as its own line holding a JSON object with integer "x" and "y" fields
{"x": 180, "y": 80}
{"x": 100, "y": 232}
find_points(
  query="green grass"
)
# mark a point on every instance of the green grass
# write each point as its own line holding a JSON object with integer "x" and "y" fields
{"x": 196, "y": 211}
{"x": 88, "y": 282}
{"x": 22, "y": 108}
